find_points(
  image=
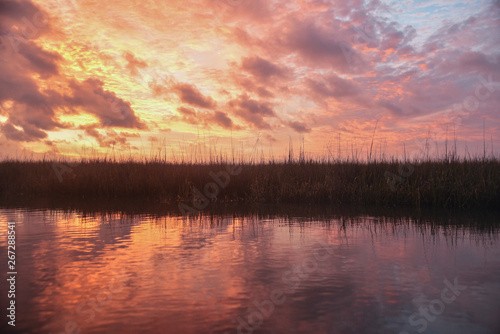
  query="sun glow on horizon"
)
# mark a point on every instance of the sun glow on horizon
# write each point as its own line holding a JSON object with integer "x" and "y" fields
{"x": 116, "y": 75}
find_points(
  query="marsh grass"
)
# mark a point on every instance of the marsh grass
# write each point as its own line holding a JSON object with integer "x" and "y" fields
{"x": 440, "y": 183}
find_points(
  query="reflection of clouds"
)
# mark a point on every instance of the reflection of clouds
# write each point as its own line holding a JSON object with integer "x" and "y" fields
{"x": 206, "y": 289}
{"x": 214, "y": 269}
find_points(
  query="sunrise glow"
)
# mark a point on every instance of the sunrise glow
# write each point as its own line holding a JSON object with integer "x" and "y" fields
{"x": 86, "y": 78}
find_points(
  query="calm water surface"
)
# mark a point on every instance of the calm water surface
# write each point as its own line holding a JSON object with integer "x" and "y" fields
{"x": 113, "y": 273}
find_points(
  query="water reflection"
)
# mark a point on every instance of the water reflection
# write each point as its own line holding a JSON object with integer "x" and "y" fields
{"x": 117, "y": 273}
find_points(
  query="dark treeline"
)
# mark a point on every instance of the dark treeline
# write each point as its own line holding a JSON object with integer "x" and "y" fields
{"x": 472, "y": 183}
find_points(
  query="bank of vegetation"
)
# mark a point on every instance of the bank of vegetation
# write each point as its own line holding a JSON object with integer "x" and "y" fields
{"x": 444, "y": 183}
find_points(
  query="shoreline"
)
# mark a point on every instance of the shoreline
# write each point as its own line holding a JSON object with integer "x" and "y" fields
{"x": 457, "y": 184}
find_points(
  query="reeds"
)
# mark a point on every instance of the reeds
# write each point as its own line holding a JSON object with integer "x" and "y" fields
{"x": 441, "y": 183}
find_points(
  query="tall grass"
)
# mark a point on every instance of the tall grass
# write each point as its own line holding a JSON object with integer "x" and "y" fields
{"x": 449, "y": 182}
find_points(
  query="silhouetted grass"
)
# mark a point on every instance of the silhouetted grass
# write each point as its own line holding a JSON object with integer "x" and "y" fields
{"x": 470, "y": 183}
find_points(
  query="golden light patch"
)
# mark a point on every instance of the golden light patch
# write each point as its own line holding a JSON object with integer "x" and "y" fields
{"x": 80, "y": 119}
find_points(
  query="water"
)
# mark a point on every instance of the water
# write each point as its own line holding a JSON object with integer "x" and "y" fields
{"x": 115, "y": 273}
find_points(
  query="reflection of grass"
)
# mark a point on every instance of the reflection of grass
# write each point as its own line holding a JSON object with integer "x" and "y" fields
{"x": 445, "y": 184}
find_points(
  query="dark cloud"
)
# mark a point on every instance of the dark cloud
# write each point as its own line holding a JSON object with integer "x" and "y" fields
{"x": 252, "y": 111}
{"x": 222, "y": 119}
{"x": 133, "y": 63}
{"x": 15, "y": 9}
{"x": 249, "y": 85}
{"x": 191, "y": 95}
{"x": 332, "y": 86}
{"x": 40, "y": 61}
{"x": 261, "y": 68}
{"x": 188, "y": 115}
{"x": 26, "y": 69}
{"x": 320, "y": 46}
{"x": 33, "y": 120}
{"x": 21, "y": 21}
{"x": 12, "y": 133}
{"x": 16, "y": 82}
{"x": 186, "y": 111}
{"x": 31, "y": 110}
{"x": 111, "y": 110}
{"x": 479, "y": 62}
{"x": 300, "y": 127}
{"x": 158, "y": 89}
{"x": 392, "y": 38}
{"x": 110, "y": 138}
{"x": 206, "y": 119}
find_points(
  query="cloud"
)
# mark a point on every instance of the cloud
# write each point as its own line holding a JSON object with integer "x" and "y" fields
{"x": 31, "y": 110}
{"x": 320, "y": 46}
{"x": 158, "y": 89}
{"x": 110, "y": 138}
{"x": 245, "y": 64}
{"x": 29, "y": 73}
{"x": 28, "y": 134}
{"x": 261, "y": 68}
{"x": 188, "y": 115}
{"x": 252, "y": 111}
{"x": 40, "y": 61}
{"x": 206, "y": 119}
{"x": 111, "y": 110}
{"x": 479, "y": 62}
{"x": 21, "y": 21}
{"x": 251, "y": 86}
{"x": 33, "y": 119}
{"x": 333, "y": 86}
{"x": 300, "y": 127}
{"x": 133, "y": 63}
{"x": 222, "y": 119}
{"x": 239, "y": 10}
{"x": 191, "y": 95}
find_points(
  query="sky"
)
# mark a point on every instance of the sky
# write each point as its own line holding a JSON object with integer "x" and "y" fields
{"x": 194, "y": 79}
